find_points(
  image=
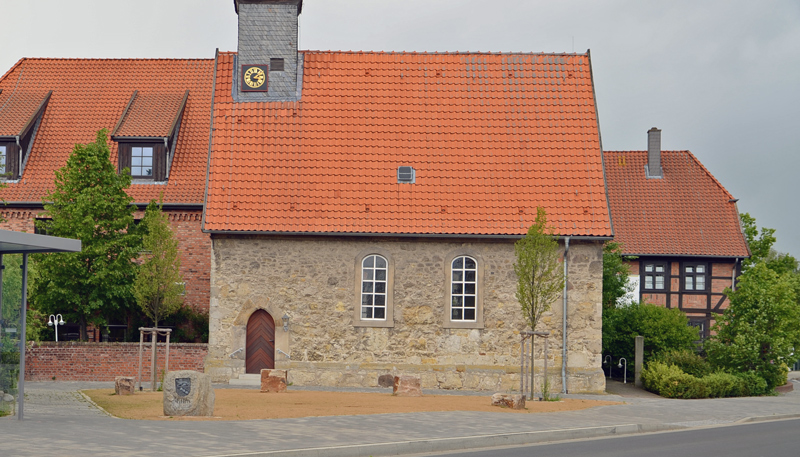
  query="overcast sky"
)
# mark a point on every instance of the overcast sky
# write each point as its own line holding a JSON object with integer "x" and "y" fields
{"x": 720, "y": 78}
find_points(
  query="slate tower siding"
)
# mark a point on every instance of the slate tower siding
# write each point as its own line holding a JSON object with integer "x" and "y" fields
{"x": 268, "y": 31}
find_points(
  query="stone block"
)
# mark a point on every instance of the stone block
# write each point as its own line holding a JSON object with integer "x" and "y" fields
{"x": 188, "y": 393}
{"x": 513, "y": 401}
{"x": 124, "y": 385}
{"x": 273, "y": 380}
{"x": 407, "y": 386}
{"x": 386, "y": 380}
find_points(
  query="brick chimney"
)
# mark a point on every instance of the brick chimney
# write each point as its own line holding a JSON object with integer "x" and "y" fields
{"x": 653, "y": 167}
{"x": 267, "y": 65}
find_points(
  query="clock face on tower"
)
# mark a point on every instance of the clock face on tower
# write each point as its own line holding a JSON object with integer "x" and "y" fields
{"x": 254, "y": 78}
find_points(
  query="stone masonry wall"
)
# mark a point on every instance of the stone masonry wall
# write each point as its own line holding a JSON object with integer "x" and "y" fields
{"x": 314, "y": 281}
{"x": 72, "y": 361}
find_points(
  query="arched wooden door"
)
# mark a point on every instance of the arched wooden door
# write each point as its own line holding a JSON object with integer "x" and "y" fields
{"x": 260, "y": 347}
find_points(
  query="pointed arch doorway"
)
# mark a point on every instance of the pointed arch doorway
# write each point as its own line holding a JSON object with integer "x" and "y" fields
{"x": 260, "y": 345}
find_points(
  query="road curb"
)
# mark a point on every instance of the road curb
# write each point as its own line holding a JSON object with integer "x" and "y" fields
{"x": 462, "y": 443}
{"x": 773, "y": 417}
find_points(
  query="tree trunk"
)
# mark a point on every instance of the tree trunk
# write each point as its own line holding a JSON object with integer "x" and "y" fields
{"x": 84, "y": 336}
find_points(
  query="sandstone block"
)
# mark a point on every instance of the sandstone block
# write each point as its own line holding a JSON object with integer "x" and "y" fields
{"x": 407, "y": 386}
{"x": 386, "y": 380}
{"x": 188, "y": 393}
{"x": 124, "y": 385}
{"x": 513, "y": 401}
{"x": 273, "y": 380}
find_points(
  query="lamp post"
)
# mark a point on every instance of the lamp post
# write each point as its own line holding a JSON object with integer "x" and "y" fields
{"x": 625, "y": 376}
{"x": 605, "y": 362}
{"x": 55, "y": 321}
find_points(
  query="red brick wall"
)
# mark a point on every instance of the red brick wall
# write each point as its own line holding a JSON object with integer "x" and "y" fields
{"x": 71, "y": 361}
{"x": 194, "y": 246}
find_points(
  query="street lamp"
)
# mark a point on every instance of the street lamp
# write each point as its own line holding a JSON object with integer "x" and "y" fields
{"x": 285, "y": 320}
{"x": 625, "y": 378}
{"x": 605, "y": 362}
{"x": 55, "y": 321}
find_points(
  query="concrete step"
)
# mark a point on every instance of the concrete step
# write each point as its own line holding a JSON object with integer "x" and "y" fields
{"x": 247, "y": 380}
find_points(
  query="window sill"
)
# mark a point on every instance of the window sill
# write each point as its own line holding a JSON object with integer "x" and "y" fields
{"x": 468, "y": 325}
{"x": 374, "y": 324}
{"x": 148, "y": 181}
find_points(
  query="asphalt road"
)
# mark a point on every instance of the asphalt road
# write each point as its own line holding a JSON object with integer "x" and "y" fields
{"x": 767, "y": 439}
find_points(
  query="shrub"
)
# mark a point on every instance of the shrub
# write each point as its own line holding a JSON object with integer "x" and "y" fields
{"x": 753, "y": 384}
{"x": 671, "y": 382}
{"x": 663, "y": 330}
{"x": 688, "y": 361}
{"x": 721, "y": 384}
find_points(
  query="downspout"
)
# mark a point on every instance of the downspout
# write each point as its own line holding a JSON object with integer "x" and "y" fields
{"x": 564, "y": 322}
{"x": 19, "y": 155}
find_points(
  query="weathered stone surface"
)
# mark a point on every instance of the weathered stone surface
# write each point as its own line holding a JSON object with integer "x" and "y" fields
{"x": 273, "y": 380}
{"x": 513, "y": 401}
{"x": 124, "y": 385}
{"x": 290, "y": 278}
{"x": 8, "y": 398}
{"x": 407, "y": 386}
{"x": 386, "y": 380}
{"x": 188, "y": 393}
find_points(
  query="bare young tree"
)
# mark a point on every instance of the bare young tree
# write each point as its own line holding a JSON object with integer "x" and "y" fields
{"x": 540, "y": 277}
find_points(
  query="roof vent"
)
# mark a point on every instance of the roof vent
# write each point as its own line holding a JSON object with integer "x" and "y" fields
{"x": 406, "y": 174}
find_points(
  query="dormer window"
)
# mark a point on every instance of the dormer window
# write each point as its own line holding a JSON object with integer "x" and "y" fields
{"x": 147, "y": 133}
{"x": 142, "y": 161}
{"x": 20, "y": 117}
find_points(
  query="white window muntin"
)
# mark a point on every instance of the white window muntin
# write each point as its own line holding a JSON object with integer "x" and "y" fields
{"x": 373, "y": 287}
{"x": 142, "y": 161}
{"x": 464, "y": 289}
{"x": 3, "y": 157}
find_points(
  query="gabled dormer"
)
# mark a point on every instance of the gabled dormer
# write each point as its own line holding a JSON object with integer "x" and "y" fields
{"x": 147, "y": 132}
{"x": 20, "y": 115}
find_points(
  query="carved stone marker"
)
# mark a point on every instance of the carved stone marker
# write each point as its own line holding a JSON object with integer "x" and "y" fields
{"x": 124, "y": 385}
{"x": 513, "y": 401}
{"x": 188, "y": 393}
{"x": 407, "y": 386}
{"x": 273, "y": 380}
{"x": 386, "y": 380}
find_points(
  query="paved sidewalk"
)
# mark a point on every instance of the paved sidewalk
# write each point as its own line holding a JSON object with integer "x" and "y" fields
{"x": 60, "y": 421}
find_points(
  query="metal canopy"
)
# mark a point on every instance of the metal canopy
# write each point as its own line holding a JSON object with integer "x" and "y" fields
{"x": 28, "y": 243}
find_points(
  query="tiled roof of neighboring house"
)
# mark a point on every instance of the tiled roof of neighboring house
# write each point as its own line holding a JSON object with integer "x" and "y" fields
{"x": 490, "y": 136}
{"x": 91, "y": 94}
{"x": 687, "y": 212}
{"x": 17, "y": 108}
{"x": 150, "y": 115}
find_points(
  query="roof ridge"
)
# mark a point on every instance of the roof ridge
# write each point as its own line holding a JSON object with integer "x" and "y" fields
{"x": 138, "y": 59}
{"x": 13, "y": 67}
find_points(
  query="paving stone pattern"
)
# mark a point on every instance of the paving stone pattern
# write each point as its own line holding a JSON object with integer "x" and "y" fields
{"x": 59, "y": 422}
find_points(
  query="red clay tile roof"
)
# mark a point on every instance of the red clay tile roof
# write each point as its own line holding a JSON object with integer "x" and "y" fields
{"x": 687, "y": 212}
{"x": 90, "y": 94}
{"x": 491, "y": 136}
{"x": 150, "y": 115}
{"x": 17, "y": 108}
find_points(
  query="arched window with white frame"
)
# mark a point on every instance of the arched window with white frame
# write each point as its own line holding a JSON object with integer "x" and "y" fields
{"x": 374, "y": 276}
{"x": 464, "y": 289}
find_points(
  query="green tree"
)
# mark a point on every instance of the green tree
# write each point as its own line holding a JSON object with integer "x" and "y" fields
{"x": 761, "y": 328}
{"x": 158, "y": 287}
{"x": 663, "y": 330}
{"x": 89, "y": 203}
{"x": 615, "y": 274}
{"x": 540, "y": 276}
{"x": 761, "y": 248}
